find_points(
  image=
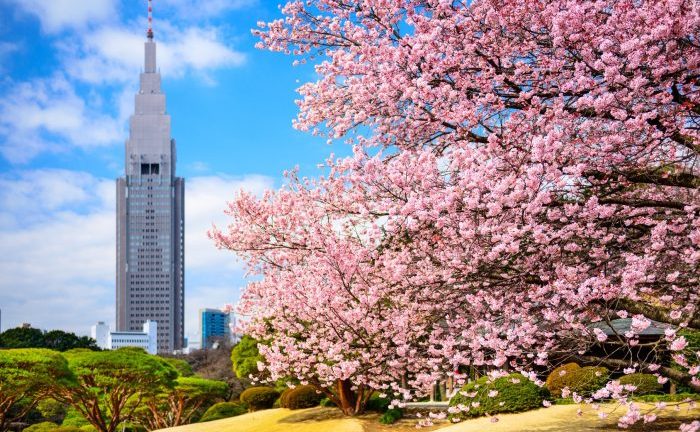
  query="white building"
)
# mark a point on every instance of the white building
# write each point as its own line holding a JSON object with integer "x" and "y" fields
{"x": 147, "y": 339}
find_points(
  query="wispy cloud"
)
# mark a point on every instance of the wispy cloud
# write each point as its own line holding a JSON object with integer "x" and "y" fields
{"x": 57, "y": 15}
{"x": 114, "y": 55}
{"x": 48, "y": 115}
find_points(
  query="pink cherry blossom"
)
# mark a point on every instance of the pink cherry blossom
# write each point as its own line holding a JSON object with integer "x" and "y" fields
{"x": 519, "y": 170}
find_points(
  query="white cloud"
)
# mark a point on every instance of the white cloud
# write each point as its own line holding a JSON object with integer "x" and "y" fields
{"x": 205, "y": 201}
{"x": 56, "y": 15}
{"x": 115, "y": 54}
{"x": 57, "y": 247}
{"x": 47, "y": 115}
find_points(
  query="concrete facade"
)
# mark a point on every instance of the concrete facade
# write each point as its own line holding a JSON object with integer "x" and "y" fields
{"x": 150, "y": 220}
{"x": 146, "y": 339}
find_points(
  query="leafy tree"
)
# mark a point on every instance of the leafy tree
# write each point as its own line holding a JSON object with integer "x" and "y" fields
{"x": 22, "y": 337}
{"x": 59, "y": 340}
{"x": 179, "y": 405}
{"x": 26, "y": 376}
{"x": 183, "y": 368}
{"x": 110, "y": 385}
{"x": 63, "y": 341}
{"x": 245, "y": 357}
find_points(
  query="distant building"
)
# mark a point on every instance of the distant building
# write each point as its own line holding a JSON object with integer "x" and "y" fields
{"x": 216, "y": 326}
{"x": 146, "y": 339}
{"x": 150, "y": 270}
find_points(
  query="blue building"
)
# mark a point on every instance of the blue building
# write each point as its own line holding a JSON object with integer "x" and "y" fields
{"x": 215, "y": 326}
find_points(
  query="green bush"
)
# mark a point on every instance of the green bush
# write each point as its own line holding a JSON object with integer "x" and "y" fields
{"x": 325, "y": 402}
{"x": 283, "y": 398}
{"x": 678, "y": 397}
{"x": 259, "y": 398}
{"x": 588, "y": 379}
{"x": 223, "y": 410}
{"x": 581, "y": 380}
{"x": 560, "y": 377}
{"x": 51, "y": 427}
{"x": 645, "y": 383}
{"x": 74, "y": 418}
{"x": 42, "y": 427}
{"x": 51, "y": 410}
{"x": 515, "y": 393}
{"x": 377, "y": 404}
{"x": 303, "y": 396}
{"x": 391, "y": 416}
{"x": 88, "y": 428}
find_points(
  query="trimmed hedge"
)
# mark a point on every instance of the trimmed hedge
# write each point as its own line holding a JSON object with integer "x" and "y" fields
{"x": 223, "y": 410}
{"x": 50, "y": 427}
{"x": 581, "y": 380}
{"x": 559, "y": 378}
{"x": 588, "y": 379}
{"x": 283, "y": 398}
{"x": 304, "y": 396}
{"x": 515, "y": 393}
{"x": 259, "y": 398}
{"x": 645, "y": 383}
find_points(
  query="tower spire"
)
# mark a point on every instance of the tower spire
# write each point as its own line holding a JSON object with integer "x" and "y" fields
{"x": 149, "y": 33}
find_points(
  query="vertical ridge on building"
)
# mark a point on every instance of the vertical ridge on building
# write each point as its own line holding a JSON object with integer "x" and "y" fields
{"x": 150, "y": 217}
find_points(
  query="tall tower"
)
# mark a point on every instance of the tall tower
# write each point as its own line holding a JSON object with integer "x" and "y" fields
{"x": 150, "y": 218}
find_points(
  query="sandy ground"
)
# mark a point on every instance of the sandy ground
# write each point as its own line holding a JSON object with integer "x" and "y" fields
{"x": 560, "y": 418}
{"x": 564, "y": 418}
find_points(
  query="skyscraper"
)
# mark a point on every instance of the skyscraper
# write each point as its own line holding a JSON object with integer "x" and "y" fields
{"x": 150, "y": 218}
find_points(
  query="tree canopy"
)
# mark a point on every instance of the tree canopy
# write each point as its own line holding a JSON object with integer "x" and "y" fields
{"x": 26, "y": 375}
{"x": 110, "y": 385}
{"x": 520, "y": 170}
{"x": 28, "y": 337}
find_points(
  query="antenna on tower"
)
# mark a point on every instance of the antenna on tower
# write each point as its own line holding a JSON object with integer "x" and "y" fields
{"x": 149, "y": 33}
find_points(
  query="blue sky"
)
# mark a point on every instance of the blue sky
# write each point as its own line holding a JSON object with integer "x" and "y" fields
{"x": 68, "y": 73}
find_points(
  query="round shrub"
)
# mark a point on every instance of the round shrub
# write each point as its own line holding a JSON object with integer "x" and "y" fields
{"x": 223, "y": 410}
{"x": 283, "y": 398}
{"x": 581, "y": 380}
{"x": 512, "y": 393}
{"x": 304, "y": 396}
{"x": 42, "y": 427}
{"x": 645, "y": 383}
{"x": 560, "y": 377}
{"x": 259, "y": 398}
{"x": 588, "y": 379}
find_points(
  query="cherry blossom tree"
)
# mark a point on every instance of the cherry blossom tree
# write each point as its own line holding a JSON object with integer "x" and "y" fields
{"x": 520, "y": 170}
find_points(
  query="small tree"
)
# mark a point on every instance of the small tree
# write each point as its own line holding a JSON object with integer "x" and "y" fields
{"x": 25, "y": 378}
{"x": 245, "y": 357}
{"x": 110, "y": 385}
{"x": 177, "y": 406}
